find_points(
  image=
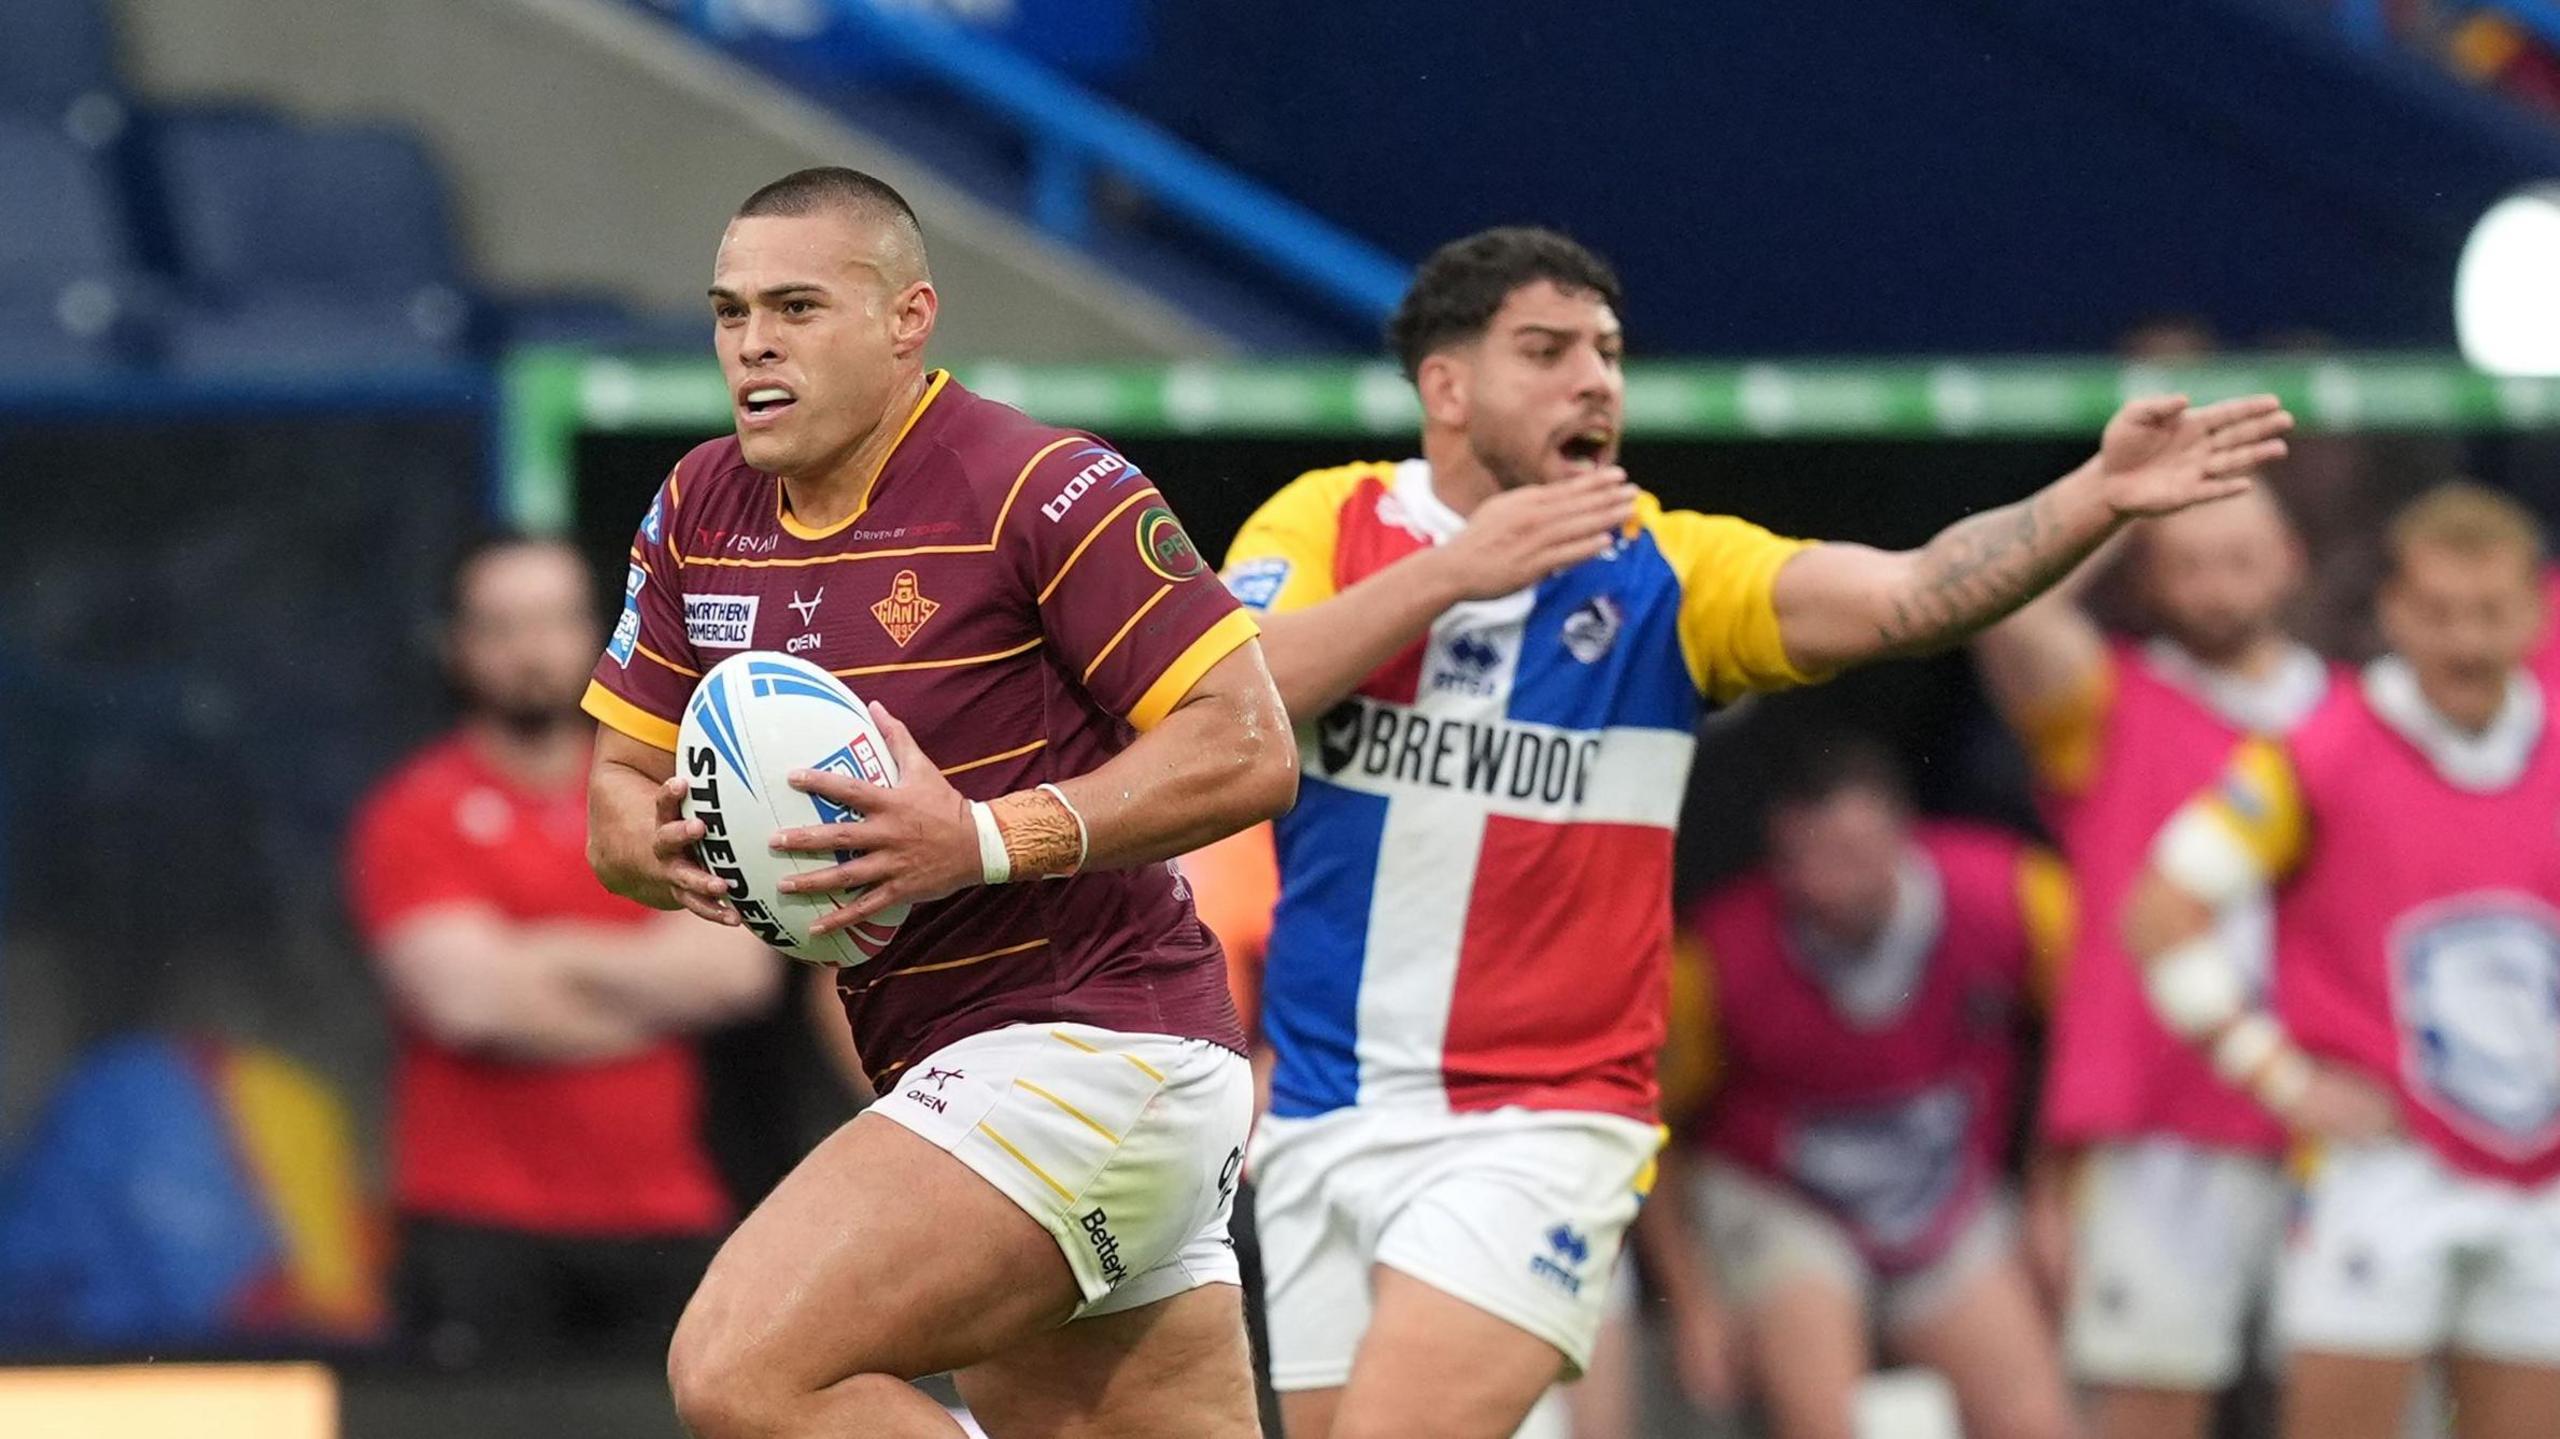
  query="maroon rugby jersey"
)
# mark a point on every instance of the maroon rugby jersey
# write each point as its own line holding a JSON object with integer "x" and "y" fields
{"x": 1023, "y": 599}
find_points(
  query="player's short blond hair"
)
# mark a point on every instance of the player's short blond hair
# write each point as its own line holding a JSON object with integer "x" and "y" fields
{"x": 2468, "y": 519}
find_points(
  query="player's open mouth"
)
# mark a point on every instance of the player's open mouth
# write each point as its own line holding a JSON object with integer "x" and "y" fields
{"x": 1585, "y": 449}
{"x": 765, "y": 401}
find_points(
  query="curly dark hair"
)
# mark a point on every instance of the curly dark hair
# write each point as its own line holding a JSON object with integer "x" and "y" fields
{"x": 1457, "y": 290}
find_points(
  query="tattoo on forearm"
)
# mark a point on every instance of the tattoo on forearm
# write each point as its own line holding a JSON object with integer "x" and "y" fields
{"x": 1978, "y": 570}
{"x": 1039, "y": 835}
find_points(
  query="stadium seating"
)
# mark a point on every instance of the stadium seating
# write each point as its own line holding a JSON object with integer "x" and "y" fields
{"x": 57, "y": 68}
{"x": 305, "y": 249}
{"x": 71, "y": 292}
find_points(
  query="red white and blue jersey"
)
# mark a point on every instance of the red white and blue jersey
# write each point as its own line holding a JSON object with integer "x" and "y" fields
{"x": 1475, "y": 886}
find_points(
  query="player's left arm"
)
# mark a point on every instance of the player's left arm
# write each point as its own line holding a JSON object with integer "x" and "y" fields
{"x": 1845, "y": 604}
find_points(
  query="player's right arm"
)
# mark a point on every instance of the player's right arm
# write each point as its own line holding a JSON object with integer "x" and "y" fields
{"x": 1321, "y": 640}
{"x": 2223, "y": 848}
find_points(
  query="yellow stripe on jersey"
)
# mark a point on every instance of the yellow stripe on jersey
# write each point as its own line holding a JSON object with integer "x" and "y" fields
{"x": 1298, "y": 529}
{"x": 1051, "y": 588}
{"x": 1692, "y": 1053}
{"x": 663, "y": 660}
{"x": 1228, "y": 635}
{"x": 2062, "y": 731}
{"x": 2050, "y": 909}
{"x": 1728, "y": 572}
{"x": 1123, "y": 632}
{"x": 781, "y": 500}
{"x": 2258, "y": 802}
{"x": 622, "y": 716}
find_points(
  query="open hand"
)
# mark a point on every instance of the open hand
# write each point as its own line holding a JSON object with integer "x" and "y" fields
{"x": 1523, "y": 535}
{"x": 2160, "y": 455}
{"x": 910, "y": 843}
{"x": 680, "y": 870}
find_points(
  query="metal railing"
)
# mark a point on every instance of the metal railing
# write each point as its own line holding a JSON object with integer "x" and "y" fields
{"x": 1072, "y": 135}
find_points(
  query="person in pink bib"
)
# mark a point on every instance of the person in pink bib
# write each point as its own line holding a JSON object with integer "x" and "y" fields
{"x": 2410, "y": 834}
{"x": 1843, "y": 1073}
{"x": 2176, "y": 1188}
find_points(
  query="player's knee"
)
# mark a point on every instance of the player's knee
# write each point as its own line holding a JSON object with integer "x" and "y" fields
{"x": 718, "y": 1393}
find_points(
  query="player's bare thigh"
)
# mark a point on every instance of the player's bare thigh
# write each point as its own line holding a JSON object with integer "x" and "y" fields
{"x": 2345, "y": 1396}
{"x": 1430, "y": 1365}
{"x": 1174, "y": 1369}
{"x": 879, "y": 1254}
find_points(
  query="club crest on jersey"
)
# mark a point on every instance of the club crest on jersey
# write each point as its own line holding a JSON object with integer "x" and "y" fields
{"x": 1592, "y": 628}
{"x": 905, "y": 610}
{"x": 2479, "y": 1008}
{"x": 1166, "y": 549}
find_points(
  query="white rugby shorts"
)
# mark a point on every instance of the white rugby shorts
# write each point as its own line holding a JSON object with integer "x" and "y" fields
{"x": 1125, "y": 1147}
{"x": 2173, "y": 1250}
{"x": 1518, "y": 1212}
{"x": 2397, "y": 1256}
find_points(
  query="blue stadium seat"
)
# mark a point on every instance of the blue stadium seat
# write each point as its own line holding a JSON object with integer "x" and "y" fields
{"x": 306, "y": 249}
{"x": 71, "y": 295}
{"x": 57, "y": 68}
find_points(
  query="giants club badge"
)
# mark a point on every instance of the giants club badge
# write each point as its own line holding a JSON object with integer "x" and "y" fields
{"x": 905, "y": 610}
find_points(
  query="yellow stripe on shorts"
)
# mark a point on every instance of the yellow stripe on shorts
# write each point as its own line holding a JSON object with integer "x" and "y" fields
{"x": 989, "y": 1131}
{"x": 1074, "y": 1113}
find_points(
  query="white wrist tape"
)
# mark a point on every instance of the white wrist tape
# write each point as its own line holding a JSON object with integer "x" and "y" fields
{"x": 2282, "y": 1083}
{"x": 2195, "y": 987}
{"x": 1084, "y": 837}
{"x": 994, "y": 865}
{"x": 2201, "y": 856}
{"x": 2245, "y": 1047}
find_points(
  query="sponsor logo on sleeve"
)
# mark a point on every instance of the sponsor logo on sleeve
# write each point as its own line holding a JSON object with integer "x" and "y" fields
{"x": 653, "y": 528}
{"x": 1100, "y": 465}
{"x": 1166, "y": 549}
{"x": 626, "y": 630}
{"x": 1256, "y": 583}
{"x": 720, "y": 622}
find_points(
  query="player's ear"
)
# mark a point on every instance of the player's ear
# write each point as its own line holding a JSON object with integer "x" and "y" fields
{"x": 1441, "y": 383}
{"x": 911, "y": 317}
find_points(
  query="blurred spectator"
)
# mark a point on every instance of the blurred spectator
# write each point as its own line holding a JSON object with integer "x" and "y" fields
{"x": 1843, "y": 1060}
{"x": 2179, "y": 1193}
{"x": 554, "y": 1192}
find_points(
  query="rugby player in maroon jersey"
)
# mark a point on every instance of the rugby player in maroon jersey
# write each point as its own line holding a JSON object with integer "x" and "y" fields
{"x": 1039, "y": 1200}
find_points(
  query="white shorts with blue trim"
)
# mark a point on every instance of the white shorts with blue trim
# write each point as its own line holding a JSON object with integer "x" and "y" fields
{"x": 1518, "y": 1212}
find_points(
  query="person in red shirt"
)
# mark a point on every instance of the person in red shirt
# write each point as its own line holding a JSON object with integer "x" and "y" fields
{"x": 554, "y": 1194}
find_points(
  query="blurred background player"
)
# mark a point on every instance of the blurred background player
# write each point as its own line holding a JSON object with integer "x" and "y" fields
{"x": 1498, "y": 655}
{"x": 2170, "y": 1198}
{"x": 1040, "y": 1201}
{"x": 2408, "y": 831}
{"x": 2415, "y": 1028}
{"x": 1848, "y": 1036}
{"x": 554, "y": 1193}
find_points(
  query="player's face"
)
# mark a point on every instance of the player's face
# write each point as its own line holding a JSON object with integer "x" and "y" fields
{"x": 1543, "y": 393}
{"x": 2464, "y": 623}
{"x": 525, "y": 634}
{"x": 1838, "y": 863}
{"x": 2218, "y": 576}
{"x": 812, "y": 330}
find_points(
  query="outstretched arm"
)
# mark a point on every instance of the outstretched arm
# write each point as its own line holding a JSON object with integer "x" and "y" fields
{"x": 1841, "y": 604}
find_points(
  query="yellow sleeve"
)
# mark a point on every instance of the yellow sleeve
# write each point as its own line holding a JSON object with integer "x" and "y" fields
{"x": 2258, "y": 804}
{"x": 2061, "y": 735}
{"x": 2050, "y": 908}
{"x": 1692, "y": 1056}
{"x": 1728, "y": 571}
{"x": 1282, "y": 559}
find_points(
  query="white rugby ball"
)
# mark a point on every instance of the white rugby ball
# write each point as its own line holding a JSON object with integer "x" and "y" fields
{"x": 755, "y": 718}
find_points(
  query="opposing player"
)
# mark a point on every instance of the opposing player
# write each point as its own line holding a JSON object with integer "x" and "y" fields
{"x": 2408, "y": 830}
{"x": 1849, "y": 1023}
{"x": 2176, "y": 1182}
{"x": 1497, "y": 654}
{"x": 1039, "y": 1198}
